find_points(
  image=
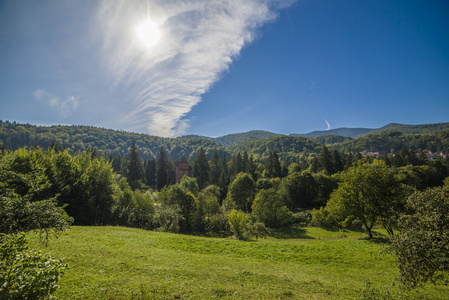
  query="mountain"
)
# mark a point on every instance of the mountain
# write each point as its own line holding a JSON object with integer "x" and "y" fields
{"x": 422, "y": 128}
{"x": 236, "y": 138}
{"x": 349, "y": 132}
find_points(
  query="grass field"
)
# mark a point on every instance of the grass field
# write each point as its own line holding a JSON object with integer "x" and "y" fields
{"x": 302, "y": 263}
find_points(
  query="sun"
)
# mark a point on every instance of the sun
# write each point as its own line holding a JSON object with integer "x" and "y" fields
{"x": 148, "y": 33}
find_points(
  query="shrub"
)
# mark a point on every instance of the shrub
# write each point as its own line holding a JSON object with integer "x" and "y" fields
{"x": 26, "y": 274}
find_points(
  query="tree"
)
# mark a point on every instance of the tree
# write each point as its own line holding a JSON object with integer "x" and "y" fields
{"x": 421, "y": 247}
{"x": 269, "y": 208}
{"x": 26, "y": 202}
{"x": 150, "y": 172}
{"x": 325, "y": 161}
{"x": 241, "y": 191}
{"x": 201, "y": 169}
{"x": 134, "y": 167}
{"x": 237, "y": 220}
{"x": 215, "y": 168}
{"x": 368, "y": 192}
{"x": 300, "y": 190}
{"x": 273, "y": 166}
{"x": 337, "y": 161}
{"x": 162, "y": 170}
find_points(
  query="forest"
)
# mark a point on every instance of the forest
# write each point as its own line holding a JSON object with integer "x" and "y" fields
{"x": 54, "y": 177}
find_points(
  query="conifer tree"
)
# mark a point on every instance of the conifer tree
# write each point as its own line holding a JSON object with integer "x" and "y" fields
{"x": 134, "y": 167}
{"x": 201, "y": 169}
{"x": 215, "y": 168}
{"x": 325, "y": 161}
{"x": 163, "y": 167}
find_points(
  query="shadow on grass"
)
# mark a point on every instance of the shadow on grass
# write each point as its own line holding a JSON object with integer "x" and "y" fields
{"x": 290, "y": 233}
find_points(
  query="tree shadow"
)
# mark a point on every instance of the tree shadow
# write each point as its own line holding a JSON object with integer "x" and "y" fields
{"x": 290, "y": 233}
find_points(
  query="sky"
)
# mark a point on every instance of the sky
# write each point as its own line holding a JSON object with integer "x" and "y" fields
{"x": 178, "y": 67}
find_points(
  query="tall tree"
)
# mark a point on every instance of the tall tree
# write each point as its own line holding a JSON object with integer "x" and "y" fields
{"x": 150, "y": 172}
{"x": 325, "y": 161}
{"x": 134, "y": 167}
{"x": 163, "y": 167}
{"x": 215, "y": 168}
{"x": 241, "y": 191}
{"x": 273, "y": 167}
{"x": 368, "y": 192}
{"x": 201, "y": 169}
{"x": 337, "y": 161}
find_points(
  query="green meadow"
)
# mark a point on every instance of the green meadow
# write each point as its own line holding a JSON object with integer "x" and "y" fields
{"x": 301, "y": 263}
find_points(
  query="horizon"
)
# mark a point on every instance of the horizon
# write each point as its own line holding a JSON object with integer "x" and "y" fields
{"x": 171, "y": 69}
{"x": 220, "y": 136}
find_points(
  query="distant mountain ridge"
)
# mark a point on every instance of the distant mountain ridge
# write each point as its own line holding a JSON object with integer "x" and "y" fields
{"x": 350, "y": 132}
{"x": 388, "y": 139}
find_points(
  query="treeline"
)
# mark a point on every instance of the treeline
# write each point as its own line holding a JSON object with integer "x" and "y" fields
{"x": 99, "y": 189}
{"x": 395, "y": 141}
{"x": 290, "y": 149}
{"x": 77, "y": 139}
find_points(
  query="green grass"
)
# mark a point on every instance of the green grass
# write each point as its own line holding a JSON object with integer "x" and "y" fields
{"x": 302, "y": 263}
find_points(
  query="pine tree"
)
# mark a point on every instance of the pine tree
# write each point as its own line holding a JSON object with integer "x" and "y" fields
{"x": 150, "y": 172}
{"x": 163, "y": 167}
{"x": 215, "y": 168}
{"x": 201, "y": 169}
{"x": 325, "y": 161}
{"x": 134, "y": 167}
{"x": 273, "y": 166}
{"x": 337, "y": 161}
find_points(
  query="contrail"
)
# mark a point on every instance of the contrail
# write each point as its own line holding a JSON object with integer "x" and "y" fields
{"x": 328, "y": 125}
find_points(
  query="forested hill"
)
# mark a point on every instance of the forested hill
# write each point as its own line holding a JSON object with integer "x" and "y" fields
{"x": 285, "y": 146}
{"x": 348, "y": 132}
{"x": 257, "y": 143}
{"x": 236, "y": 138}
{"x": 80, "y": 138}
{"x": 395, "y": 141}
{"x": 416, "y": 129}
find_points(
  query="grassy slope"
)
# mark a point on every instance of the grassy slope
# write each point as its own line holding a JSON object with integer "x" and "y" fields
{"x": 122, "y": 263}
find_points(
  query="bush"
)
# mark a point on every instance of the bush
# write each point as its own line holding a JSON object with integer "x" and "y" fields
{"x": 26, "y": 274}
{"x": 422, "y": 246}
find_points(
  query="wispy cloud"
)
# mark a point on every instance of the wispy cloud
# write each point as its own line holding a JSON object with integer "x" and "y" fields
{"x": 199, "y": 40}
{"x": 65, "y": 108}
{"x": 328, "y": 125}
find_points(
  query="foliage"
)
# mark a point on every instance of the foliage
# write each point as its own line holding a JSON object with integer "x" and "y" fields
{"x": 201, "y": 169}
{"x": 168, "y": 218}
{"x": 241, "y": 191}
{"x": 368, "y": 192}
{"x": 25, "y": 200}
{"x": 422, "y": 246}
{"x": 238, "y": 220}
{"x": 24, "y": 273}
{"x": 257, "y": 230}
{"x": 269, "y": 208}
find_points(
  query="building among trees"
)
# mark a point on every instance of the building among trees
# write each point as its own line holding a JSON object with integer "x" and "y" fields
{"x": 183, "y": 168}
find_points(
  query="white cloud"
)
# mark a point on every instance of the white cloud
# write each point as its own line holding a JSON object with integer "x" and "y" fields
{"x": 65, "y": 108}
{"x": 199, "y": 40}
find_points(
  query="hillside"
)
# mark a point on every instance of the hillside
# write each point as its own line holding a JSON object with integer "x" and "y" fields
{"x": 237, "y": 138}
{"x": 304, "y": 263}
{"x": 285, "y": 146}
{"x": 427, "y": 137}
{"x": 80, "y": 138}
{"x": 413, "y": 129}
{"x": 349, "y": 132}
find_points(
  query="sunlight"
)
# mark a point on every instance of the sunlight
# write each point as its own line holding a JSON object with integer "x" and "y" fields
{"x": 148, "y": 33}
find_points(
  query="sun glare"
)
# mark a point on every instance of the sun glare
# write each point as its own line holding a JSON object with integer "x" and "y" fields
{"x": 148, "y": 33}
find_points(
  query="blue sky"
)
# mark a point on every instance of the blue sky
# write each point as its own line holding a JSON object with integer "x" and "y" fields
{"x": 222, "y": 67}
